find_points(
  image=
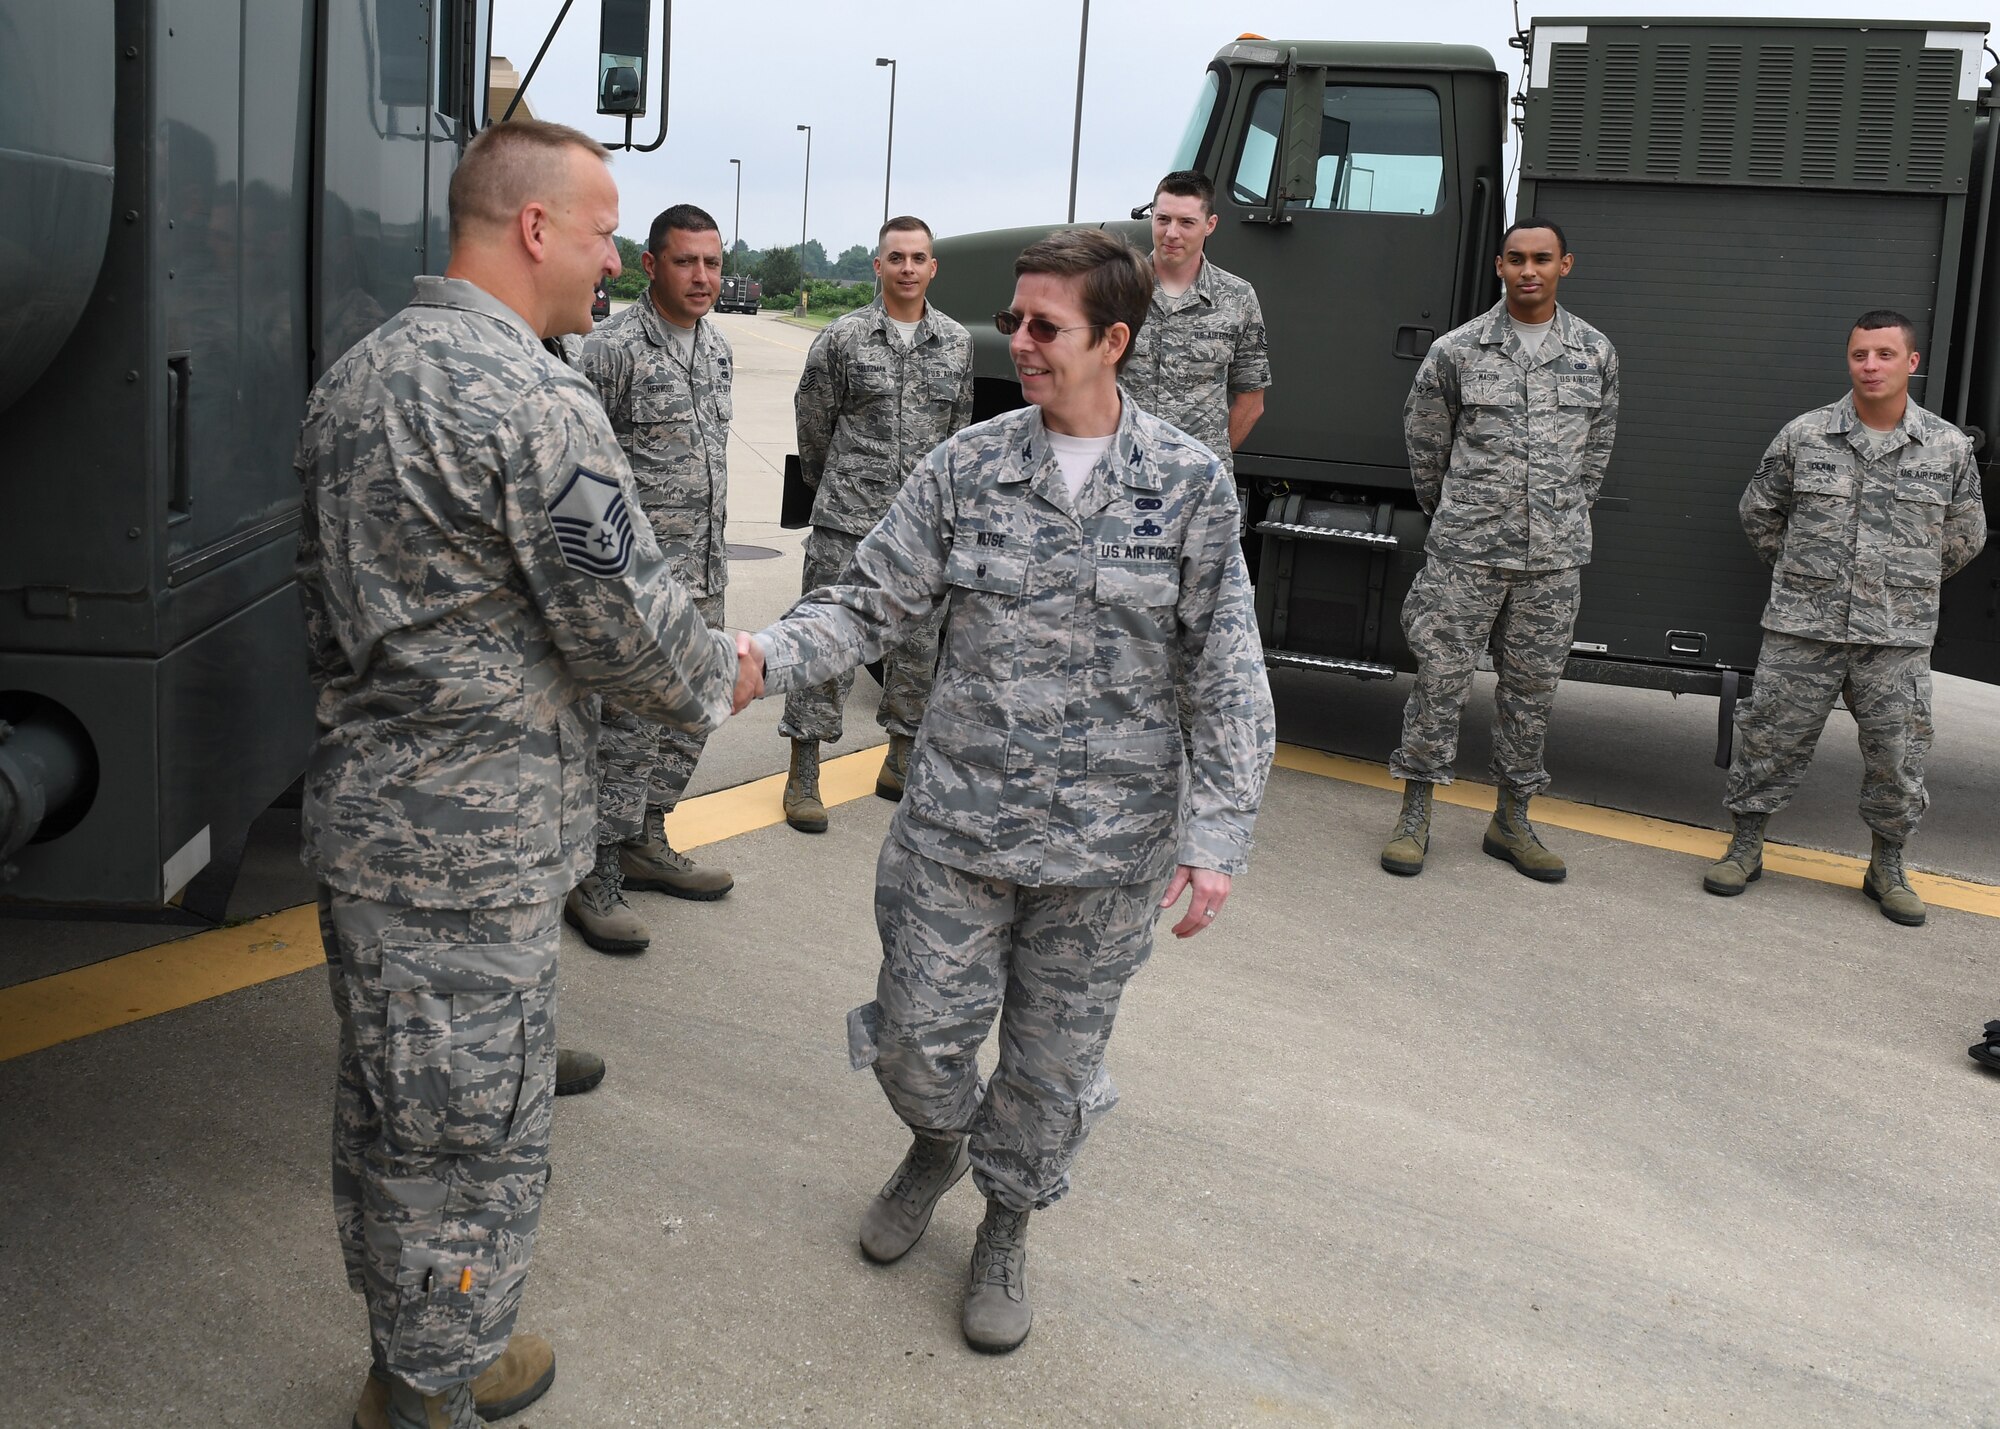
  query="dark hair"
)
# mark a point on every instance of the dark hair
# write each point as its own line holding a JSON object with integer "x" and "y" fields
{"x": 1876, "y": 319}
{"x": 508, "y": 166}
{"x": 1521, "y": 224}
{"x": 1187, "y": 183}
{"x": 684, "y": 216}
{"x": 1117, "y": 278}
{"x": 903, "y": 223}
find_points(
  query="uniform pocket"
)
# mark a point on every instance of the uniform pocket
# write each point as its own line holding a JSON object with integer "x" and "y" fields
{"x": 662, "y": 436}
{"x": 469, "y": 1059}
{"x": 1147, "y": 586}
{"x": 1579, "y": 389}
{"x": 1911, "y": 581}
{"x": 986, "y": 592}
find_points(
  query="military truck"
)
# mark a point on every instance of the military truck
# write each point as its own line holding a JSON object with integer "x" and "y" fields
{"x": 207, "y": 204}
{"x": 740, "y": 294}
{"x": 1737, "y": 191}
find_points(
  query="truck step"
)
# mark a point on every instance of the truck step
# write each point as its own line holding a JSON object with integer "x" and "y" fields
{"x": 1295, "y": 531}
{"x": 1360, "y": 669}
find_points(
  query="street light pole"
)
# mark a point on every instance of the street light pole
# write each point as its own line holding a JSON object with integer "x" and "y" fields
{"x": 738, "y": 240}
{"x": 889, "y": 161}
{"x": 805, "y": 205}
{"x": 1076, "y": 138}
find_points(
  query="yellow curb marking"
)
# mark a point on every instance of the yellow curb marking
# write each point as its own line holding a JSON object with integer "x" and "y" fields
{"x": 774, "y": 342}
{"x": 170, "y": 976}
{"x": 1836, "y": 868}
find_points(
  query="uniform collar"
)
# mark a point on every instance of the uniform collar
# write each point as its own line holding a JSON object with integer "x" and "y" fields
{"x": 1132, "y": 460}
{"x": 435, "y": 292}
{"x": 1913, "y": 427}
{"x": 657, "y": 328}
{"x": 880, "y": 321}
{"x": 1201, "y": 288}
{"x": 1499, "y": 332}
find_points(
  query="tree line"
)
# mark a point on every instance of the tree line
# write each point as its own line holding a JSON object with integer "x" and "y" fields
{"x": 777, "y": 268}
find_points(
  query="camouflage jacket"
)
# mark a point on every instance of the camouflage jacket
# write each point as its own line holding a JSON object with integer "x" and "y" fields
{"x": 869, "y": 409}
{"x": 1507, "y": 453}
{"x": 1194, "y": 352}
{"x": 1051, "y": 751}
{"x": 470, "y": 570}
{"x": 672, "y": 419}
{"x": 1860, "y": 545}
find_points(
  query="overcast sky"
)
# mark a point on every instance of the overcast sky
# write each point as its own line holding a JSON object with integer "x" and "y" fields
{"x": 985, "y": 96}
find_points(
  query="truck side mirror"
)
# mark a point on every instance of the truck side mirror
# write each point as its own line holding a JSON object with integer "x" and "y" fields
{"x": 623, "y": 34}
{"x": 1298, "y": 151}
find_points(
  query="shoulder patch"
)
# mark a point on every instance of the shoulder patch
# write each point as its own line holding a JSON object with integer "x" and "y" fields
{"x": 593, "y": 525}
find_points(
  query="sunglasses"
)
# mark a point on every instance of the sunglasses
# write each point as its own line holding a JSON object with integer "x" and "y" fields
{"x": 1040, "y": 330}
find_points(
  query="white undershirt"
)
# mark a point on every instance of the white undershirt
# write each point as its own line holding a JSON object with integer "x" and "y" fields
{"x": 908, "y": 330}
{"x": 1531, "y": 334}
{"x": 1076, "y": 456}
{"x": 681, "y": 339}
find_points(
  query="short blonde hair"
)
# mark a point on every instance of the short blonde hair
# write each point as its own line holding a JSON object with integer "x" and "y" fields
{"x": 508, "y": 166}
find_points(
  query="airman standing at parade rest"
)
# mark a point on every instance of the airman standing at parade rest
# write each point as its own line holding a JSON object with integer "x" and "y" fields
{"x": 881, "y": 387}
{"x": 473, "y": 578}
{"x": 1509, "y": 426}
{"x": 1863, "y": 509}
{"x": 664, "y": 371}
{"x": 1201, "y": 361}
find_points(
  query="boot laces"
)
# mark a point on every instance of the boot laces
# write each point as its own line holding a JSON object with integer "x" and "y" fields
{"x": 927, "y": 1157}
{"x": 1413, "y": 819}
{"x": 1889, "y": 868}
{"x": 1743, "y": 847}
{"x": 997, "y": 1252}
{"x": 604, "y": 888}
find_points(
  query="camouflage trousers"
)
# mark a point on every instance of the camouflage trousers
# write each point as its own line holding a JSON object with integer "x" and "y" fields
{"x": 1455, "y": 610}
{"x": 957, "y": 948}
{"x": 1888, "y": 689}
{"x": 908, "y": 668}
{"x": 442, "y": 1098}
{"x": 641, "y": 764}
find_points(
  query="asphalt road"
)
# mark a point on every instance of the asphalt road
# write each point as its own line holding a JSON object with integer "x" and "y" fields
{"x": 1462, "y": 1148}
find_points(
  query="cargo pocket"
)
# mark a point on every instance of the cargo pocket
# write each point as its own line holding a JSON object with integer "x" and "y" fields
{"x": 440, "y": 1299}
{"x": 1098, "y": 1098}
{"x": 864, "y": 1026}
{"x": 469, "y": 1056}
{"x": 1910, "y": 579}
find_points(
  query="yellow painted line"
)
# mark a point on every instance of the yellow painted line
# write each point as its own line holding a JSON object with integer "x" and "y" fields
{"x": 760, "y": 803}
{"x": 772, "y": 340}
{"x": 39, "y": 1014}
{"x": 170, "y": 976}
{"x": 1963, "y": 894}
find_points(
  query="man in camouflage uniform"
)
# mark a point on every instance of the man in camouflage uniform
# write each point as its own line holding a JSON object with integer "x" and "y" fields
{"x": 663, "y": 369}
{"x": 1509, "y": 426}
{"x": 471, "y": 573}
{"x": 1090, "y": 555}
{"x": 1200, "y": 361}
{"x": 881, "y": 387}
{"x": 1863, "y": 509}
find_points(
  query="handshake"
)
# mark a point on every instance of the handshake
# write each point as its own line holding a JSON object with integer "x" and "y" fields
{"x": 749, "y": 672}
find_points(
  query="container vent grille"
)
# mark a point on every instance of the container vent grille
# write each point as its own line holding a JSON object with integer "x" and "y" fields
{"x": 1722, "y": 99}
{"x": 1930, "y": 126}
{"x": 1667, "y": 132}
{"x": 1874, "y": 132}
{"x": 1826, "y": 103}
{"x": 1771, "y": 112}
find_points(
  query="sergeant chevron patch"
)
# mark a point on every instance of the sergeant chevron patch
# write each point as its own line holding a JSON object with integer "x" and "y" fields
{"x": 593, "y": 525}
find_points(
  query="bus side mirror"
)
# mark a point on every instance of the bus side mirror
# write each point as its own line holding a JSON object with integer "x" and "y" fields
{"x": 623, "y": 34}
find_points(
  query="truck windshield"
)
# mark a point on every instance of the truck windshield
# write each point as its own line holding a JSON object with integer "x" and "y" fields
{"x": 1381, "y": 150}
{"x": 1186, "y": 153}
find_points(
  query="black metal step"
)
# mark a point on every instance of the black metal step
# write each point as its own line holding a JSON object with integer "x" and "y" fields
{"x": 1294, "y": 531}
{"x": 1332, "y": 664}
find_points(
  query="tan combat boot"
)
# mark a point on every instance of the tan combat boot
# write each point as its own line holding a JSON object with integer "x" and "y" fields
{"x": 897, "y": 1218}
{"x": 1743, "y": 865}
{"x": 1512, "y": 837}
{"x": 597, "y": 908}
{"x": 652, "y": 865}
{"x": 803, "y": 809}
{"x": 895, "y": 768}
{"x": 1887, "y": 883}
{"x": 521, "y": 1375}
{"x": 448, "y": 1409}
{"x": 1404, "y": 853}
{"x": 997, "y": 1315}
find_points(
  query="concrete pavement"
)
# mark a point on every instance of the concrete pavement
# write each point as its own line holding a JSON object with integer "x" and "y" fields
{"x": 1460, "y": 1148}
